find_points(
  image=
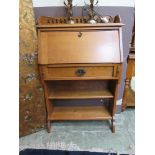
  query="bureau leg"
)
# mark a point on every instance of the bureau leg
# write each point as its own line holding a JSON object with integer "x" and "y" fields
{"x": 127, "y": 85}
{"x": 123, "y": 106}
{"x": 48, "y": 126}
{"x": 113, "y": 125}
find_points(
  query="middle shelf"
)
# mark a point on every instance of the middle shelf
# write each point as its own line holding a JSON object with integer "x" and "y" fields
{"x": 80, "y": 89}
{"x": 62, "y": 94}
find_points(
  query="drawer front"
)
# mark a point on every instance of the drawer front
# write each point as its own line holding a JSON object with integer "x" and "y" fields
{"x": 58, "y": 72}
{"x": 79, "y": 47}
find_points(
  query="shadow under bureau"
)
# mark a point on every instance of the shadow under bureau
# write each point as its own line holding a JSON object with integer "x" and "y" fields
{"x": 80, "y": 61}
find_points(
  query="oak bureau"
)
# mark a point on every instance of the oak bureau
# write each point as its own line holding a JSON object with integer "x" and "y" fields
{"x": 79, "y": 61}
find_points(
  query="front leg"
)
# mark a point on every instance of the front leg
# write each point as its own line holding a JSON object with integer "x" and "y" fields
{"x": 113, "y": 124}
{"x": 49, "y": 126}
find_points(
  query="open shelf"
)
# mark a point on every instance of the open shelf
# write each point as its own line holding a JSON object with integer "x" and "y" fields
{"x": 78, "y": 94}
{"x": 81, "y": 78}
{"x": 79, "y": 113}
{"x": 79, "y": 90}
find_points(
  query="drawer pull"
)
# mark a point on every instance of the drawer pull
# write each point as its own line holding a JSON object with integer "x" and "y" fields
{"x": 80, "y": 34}
{"x": 80, "y": 72}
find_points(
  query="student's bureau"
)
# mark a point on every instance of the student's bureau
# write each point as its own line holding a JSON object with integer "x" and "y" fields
{"x": 80, "y": 61}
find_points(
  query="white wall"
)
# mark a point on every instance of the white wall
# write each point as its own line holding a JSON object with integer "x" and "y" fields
{"x": 43, "y": 3}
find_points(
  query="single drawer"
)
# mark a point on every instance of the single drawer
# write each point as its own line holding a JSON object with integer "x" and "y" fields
{"x": 80, "y": 71}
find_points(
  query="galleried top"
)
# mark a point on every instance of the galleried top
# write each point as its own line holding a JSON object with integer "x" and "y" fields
{"x": 44, "y": 20}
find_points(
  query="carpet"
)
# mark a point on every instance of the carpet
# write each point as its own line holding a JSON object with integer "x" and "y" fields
{"x": 93, "y": 136}
{"x": 60, "y": 152}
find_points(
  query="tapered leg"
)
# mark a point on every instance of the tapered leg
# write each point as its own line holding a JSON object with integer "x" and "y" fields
{"x": 127, "y": 85}
{"x": 123, "y": 106}
{"x": 113, "y": 125}
{"x": 48, "y": 126}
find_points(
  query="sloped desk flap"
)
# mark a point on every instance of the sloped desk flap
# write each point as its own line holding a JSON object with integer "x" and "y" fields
{"x": 79, "y": 46}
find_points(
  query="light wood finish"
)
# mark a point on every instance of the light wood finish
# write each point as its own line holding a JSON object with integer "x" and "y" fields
{"x": 130, "y": 97}
{"x": 79, "y": 89}
{"x": 129, "y": 94}
{"x": 131, "y": 66}
{"x": 114, "y": 106}
{"x": 80, "y": 113}
{"x": 95, "y": 71}
{"x": 80, "y": 94}
{"x": 43, "y": 20}
{"x": 80, "y": 61}
{"x": 79, "y": 47}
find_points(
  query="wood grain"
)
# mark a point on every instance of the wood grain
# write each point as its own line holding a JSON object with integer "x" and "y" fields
{"x": 129, "y": 94}
{"x": 79, "y": 89}
{"x": 76, "y": 94}
{"x": 70, "y": 72}
{"x": 80, "y": 61}
{"x": 43, "y": 20}
{"x": 80, "y": 113}
{"x": 68, "y": 47}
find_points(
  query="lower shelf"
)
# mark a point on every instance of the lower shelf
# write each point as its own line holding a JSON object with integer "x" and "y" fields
{"x": 80, "y": 113}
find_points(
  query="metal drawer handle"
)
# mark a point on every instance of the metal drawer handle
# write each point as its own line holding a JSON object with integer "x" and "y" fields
{"x": 80, "y": 34}
{"x": 80, "y": 72}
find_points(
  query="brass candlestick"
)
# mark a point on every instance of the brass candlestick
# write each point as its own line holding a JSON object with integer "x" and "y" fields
{"x": 91, "y": 12}
{"x": 69, "y": 11}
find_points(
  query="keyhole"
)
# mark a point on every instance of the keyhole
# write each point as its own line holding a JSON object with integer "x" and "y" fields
{"x": 80, "y": 34}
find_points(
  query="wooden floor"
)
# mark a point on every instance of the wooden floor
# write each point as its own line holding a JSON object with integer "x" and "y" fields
{"x": 80, "y": 113}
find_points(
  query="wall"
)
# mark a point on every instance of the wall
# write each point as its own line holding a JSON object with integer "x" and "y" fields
{"x": 125, "y": 8}
{"x": 43, "y": 3}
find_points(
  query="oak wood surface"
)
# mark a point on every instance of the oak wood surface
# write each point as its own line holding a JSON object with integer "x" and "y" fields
{"x": 80, "y": 113}
{"x": 89, "y": 94}
{"x": 106, "y": 25}
{"x": 79, "y": 47}
{"x": 131, "y": 68}
{"x": 44, "y": 20}
{"x": 90, "y": 71}
{"x": 130, "y": 98}
{"x": 82, "y": 94}
{"x": 129, "y": 94}
{"x": 79, "y": 89}
{"x": 80, "y": 61}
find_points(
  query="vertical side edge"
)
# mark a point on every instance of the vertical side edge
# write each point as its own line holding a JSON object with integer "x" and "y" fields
{"x": 120, "y": 44}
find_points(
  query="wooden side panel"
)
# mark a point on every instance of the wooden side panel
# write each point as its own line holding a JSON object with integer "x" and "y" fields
{"x": 79, "y": 47}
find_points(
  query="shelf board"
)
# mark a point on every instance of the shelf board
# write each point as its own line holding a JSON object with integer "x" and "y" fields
{"x": 80, "y": 78}
{"x": 79, "y": 113}
{"x": 80, "y": 94}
